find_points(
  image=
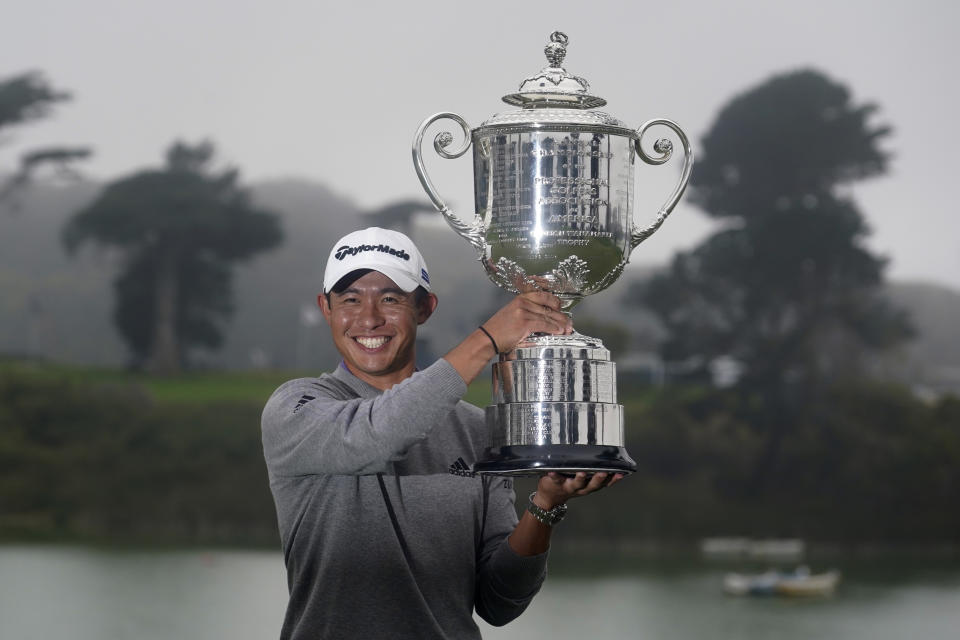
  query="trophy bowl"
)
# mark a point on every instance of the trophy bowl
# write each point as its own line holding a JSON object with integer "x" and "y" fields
{"x": 554, "y": 192}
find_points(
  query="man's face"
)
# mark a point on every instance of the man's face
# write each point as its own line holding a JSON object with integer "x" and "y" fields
{"x": 374, "y": 327}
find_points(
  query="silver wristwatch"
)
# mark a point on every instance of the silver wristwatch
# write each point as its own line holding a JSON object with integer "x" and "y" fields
{"x": 549, "y": 518}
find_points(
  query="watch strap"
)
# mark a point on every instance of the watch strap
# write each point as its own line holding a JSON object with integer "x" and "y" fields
{"x": 547, "y": 517}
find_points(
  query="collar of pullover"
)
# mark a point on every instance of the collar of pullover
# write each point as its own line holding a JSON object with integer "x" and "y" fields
{"x": 363, "y": 389}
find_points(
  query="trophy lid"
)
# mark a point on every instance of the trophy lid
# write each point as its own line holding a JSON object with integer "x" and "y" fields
{"x": 554, "y": 86}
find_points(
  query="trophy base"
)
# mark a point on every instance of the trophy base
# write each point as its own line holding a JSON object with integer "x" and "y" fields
{"x": 533, "y": 460}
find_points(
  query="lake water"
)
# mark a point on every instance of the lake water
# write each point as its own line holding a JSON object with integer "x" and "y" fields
{"x": 88, "y": 594}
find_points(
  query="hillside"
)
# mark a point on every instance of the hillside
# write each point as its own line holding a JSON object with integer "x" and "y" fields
{"x": 931, "y": 360}
{"x": 51, "y": 305}
{"x": 59, "y": 308}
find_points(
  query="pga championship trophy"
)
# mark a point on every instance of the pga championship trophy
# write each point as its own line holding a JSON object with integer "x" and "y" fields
{"x": 554, "y": 189}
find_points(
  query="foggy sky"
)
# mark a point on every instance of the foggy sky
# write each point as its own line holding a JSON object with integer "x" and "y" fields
{"x": 333, "y": 92}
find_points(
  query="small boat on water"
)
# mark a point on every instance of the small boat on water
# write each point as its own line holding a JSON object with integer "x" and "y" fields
{"x": 798, "y": 583}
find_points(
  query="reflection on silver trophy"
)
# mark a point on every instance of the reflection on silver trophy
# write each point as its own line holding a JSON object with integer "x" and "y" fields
{"x": 554, "y": 189}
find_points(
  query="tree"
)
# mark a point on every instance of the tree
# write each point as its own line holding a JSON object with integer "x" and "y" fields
{"x": 786, "y": 288}
{"x": 179, "y": 228}
{"x": 24, "y": 98}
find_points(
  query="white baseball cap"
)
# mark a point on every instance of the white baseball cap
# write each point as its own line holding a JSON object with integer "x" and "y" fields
{"x": 390, "y": 252}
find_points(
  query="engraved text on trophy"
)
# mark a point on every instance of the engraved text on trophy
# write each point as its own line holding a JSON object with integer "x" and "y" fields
{"x": 546, "y": 196}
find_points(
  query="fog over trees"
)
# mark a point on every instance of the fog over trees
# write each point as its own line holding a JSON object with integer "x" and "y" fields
{"x": 179, "y": 230}
{"x": 806, "y": 441}
{"x": 787, "y": 288}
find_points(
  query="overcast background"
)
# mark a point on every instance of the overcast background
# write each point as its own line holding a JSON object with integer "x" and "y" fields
{"x": 333, "y": 92}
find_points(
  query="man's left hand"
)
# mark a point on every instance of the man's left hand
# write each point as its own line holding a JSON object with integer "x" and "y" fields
{"x": 555, "y": 488}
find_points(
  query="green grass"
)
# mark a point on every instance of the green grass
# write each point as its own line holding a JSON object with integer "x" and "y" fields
{"x": 252, "y": 387}
{"x": 200, "y": 387}
{"x": 240, "y": 386}
{"x": 479, "y": 391}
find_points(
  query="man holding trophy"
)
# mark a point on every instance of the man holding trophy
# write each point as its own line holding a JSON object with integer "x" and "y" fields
{"x": 386, "y": 532}
{"x": 393, "y": 496}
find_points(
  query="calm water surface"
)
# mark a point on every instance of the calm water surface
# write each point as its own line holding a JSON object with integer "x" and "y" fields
{"x": 87, "y": 594}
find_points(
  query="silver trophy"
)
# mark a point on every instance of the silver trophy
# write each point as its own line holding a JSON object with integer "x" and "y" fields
{"x": 553, "y": 182}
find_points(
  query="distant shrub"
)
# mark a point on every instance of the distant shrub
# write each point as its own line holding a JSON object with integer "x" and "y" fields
{"x": 102, "y": 460}
{"x": 106, "y": 462}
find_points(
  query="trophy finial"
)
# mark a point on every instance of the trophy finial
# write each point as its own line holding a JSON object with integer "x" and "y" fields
{"x": 556, "y": 49}
{"x": 553, "y": 86}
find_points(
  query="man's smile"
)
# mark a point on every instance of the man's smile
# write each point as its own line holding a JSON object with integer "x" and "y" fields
{"x": 372, "y": 342}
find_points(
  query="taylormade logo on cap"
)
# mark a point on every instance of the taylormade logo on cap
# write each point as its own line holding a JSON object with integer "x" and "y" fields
{"x": 389, "y": 252}
{"x": 344, "y": 251}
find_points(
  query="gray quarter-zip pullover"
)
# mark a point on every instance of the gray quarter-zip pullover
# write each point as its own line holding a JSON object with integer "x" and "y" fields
{"x": 385, "y": 531}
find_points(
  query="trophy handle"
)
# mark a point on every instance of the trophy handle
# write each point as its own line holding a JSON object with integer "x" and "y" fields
{"x": 664, "y": 147}
{"x": 470, "y": 233}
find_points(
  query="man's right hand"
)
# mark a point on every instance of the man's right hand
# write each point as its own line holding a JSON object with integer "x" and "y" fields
{"x": 528, "y": 313}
